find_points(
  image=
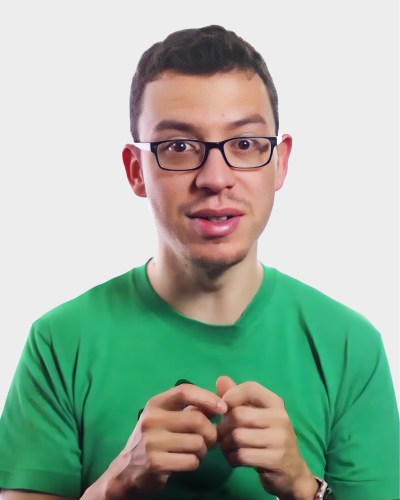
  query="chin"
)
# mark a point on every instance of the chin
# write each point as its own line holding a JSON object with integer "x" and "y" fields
{"x": 215, "y": 263}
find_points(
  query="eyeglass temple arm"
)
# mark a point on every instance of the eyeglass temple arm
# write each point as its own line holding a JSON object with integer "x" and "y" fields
{"x": 144, "y": 146}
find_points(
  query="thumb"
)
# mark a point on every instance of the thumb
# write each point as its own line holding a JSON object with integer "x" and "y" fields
{"x": 224, "y": 383}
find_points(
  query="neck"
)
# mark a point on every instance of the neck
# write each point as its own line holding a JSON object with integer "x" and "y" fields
{"x": 210, "y": 295}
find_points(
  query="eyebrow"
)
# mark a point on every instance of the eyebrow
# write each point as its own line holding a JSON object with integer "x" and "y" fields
{"x": 174, "y": 125}
{"x": 256, "y": 118}
{"x": 192, "y": 129}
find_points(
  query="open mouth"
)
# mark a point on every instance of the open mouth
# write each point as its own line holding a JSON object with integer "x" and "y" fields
{"x": 218, "y": 219}
{"x": 215, "y": 223}
{"x": 212, "y": 225}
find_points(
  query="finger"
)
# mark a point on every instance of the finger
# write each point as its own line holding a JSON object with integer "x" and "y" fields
{"x": 224, "y": 383}
{"x": 184, "y": 395}
{"x": 207, "y": 413}
{"x": 253, "y": 394}
{"x": 161, "y": 440}
{"x": 254, "y": 457}
{"x": 252, "y": 438}
{"x": 193, "y": 421}
{"x": 249, "y": 417}
{"x": 165, "y": 462}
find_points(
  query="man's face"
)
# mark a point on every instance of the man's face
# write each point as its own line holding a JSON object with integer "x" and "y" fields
{"x": 209, "y": 108}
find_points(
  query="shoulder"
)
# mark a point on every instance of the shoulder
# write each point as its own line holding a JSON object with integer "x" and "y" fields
{"x": 309, "y": 300}
{"x": 90, "y": 311}
{"x": 321, "y": 315}
{"x": 347, "y": 348}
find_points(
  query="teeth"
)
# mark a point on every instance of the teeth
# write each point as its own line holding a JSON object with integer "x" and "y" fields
{"x": 217, "y": 219}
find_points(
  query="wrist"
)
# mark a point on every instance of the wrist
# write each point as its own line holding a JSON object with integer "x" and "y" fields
{"x": 304, "y": 488}
{"x": 109, "y": 486}
{"x": 94, "y": 492}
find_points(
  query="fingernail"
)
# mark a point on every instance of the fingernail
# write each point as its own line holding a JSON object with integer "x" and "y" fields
{"x": 221, "y": 405}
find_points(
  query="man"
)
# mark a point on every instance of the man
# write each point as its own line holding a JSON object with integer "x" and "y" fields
{"x": 121, "y": 393}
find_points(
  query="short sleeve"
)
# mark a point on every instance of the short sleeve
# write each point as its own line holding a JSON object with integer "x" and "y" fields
{"x": 363, "y": 453}
{"x": 39, "y": 437}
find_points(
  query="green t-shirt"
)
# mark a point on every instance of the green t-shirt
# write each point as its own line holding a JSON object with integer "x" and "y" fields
{"x": 90, "y": 365}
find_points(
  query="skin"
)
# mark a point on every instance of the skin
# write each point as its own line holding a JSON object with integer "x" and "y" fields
{"x": 200, "y": 277}
{"x": 256, "y": 432}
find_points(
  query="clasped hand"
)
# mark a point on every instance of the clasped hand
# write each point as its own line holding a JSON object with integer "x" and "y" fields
{"x": 174, "y": 433}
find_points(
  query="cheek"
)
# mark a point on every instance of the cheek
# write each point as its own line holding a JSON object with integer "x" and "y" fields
{"x": 263, "y": 189}
{"x": 164, "y": 196}
{"x": 263, "y": 200}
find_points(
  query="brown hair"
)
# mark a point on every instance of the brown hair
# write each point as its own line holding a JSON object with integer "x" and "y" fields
{"x": 200, "y": 51}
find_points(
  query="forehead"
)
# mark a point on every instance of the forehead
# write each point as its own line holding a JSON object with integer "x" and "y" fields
{"x": 204, "y": 101}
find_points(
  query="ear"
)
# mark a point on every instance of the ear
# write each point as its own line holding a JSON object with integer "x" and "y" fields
{"x": 133, "y": 168}
{"x": 284, "y": 149}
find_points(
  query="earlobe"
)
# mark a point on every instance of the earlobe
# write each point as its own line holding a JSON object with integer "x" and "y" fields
{"x": 133, "y": 169}
{"x": 284, "y": 149}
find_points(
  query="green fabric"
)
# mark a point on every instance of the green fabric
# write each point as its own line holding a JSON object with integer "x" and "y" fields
{"x": 90, "y": 366}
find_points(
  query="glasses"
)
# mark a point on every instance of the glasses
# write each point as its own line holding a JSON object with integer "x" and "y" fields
{"x": 190, "y": 154}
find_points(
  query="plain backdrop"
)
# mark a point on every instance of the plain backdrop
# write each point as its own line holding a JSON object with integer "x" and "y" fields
{"x": 68, "y": 217}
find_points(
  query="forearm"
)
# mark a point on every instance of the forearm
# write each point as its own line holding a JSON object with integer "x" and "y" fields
{"x": 112, "y": 485}
{"x": 305, "y": 489}
{"x": 96, "y": 491}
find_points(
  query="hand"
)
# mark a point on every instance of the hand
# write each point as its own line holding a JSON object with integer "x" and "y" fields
{"x": 166, "y": 439}
{"x": 257, "y": 432}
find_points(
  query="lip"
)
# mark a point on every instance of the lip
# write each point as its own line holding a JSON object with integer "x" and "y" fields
{"x": 208, "y": 229}
{"x": 212, "y": 212}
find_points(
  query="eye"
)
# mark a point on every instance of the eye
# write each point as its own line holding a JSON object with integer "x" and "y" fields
{"x": 244, "y": 144}
{"x": 178, "y": 146}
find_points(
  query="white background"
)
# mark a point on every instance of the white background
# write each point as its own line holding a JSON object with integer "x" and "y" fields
{"x": 68, "y": 217}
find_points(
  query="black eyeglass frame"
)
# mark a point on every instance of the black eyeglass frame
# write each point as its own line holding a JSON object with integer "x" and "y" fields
{"x": 153, "y": 148}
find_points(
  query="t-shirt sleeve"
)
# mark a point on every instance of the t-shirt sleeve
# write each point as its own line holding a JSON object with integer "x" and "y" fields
{"x": 363, "y": 453}
{"x": 39, "y": 434}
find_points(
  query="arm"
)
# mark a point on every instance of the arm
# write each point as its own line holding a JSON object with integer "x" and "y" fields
{"x": 172, "y": 435}
{"x": 165, "y": 440}
{"x": 257, "y": 432}
{"x": 40, "y": 435}
{"x": 363, "y": 455}
{"x": 38, "y": 422}
{"x": 27, "y": 495}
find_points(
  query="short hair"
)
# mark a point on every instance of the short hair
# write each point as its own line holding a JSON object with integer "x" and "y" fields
{"x": 200, "y": 51}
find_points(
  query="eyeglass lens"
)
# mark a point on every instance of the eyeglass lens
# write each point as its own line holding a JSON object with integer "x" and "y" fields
{"x": 243, "y": 152}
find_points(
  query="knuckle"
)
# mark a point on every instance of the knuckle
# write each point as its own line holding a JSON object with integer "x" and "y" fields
{"x": 237, "y": 437}
{"x": 238, "y": 414}
{"x": 280, "y": 401}
{"x": 197, "y": 442}
{"x": 154, "y": 463}
{"x": 241, "y": 456}
{"x": 196, "y": 419}
{"x": 209, "y": 430}
{"x": 192, "y": 462}
{"x": 253, "y": 386}
{"x": 236, "y": 458}
{"x": 148, "y": 421}
{"x": 211, "y": 441}
{"x": 212, "y": 433}
{"x": 284, "y": 416}
{"x": 152, "y": 403}
{"x": 148, "y": 442}
{"x": 253, "y": 389}
{"x": 183, "y": 389}
{"x": 202, "y": 453}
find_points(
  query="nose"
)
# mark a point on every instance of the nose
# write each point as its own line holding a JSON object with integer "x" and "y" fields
{"x": 215, "y": 175}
